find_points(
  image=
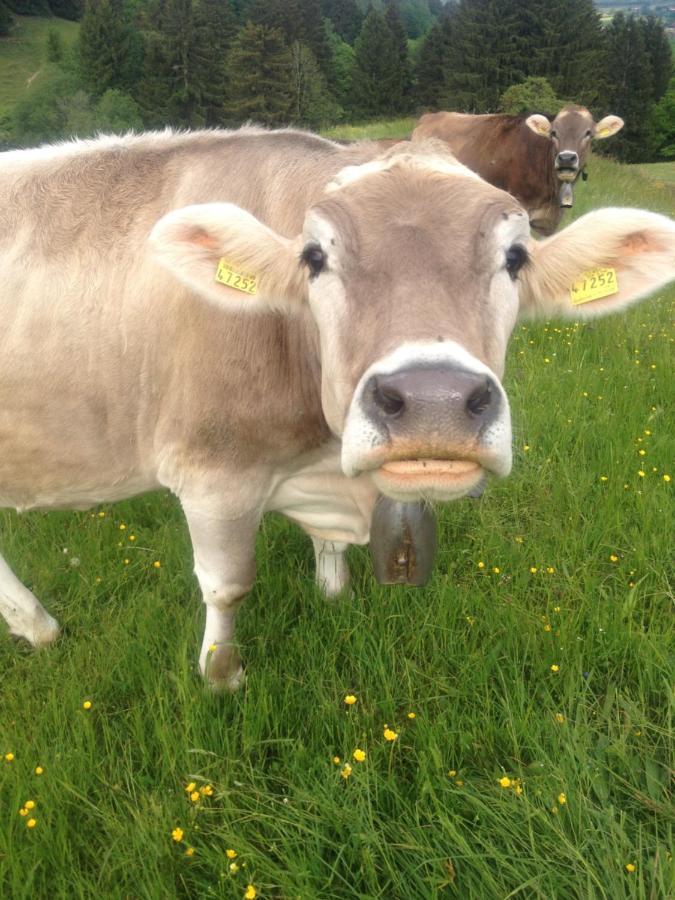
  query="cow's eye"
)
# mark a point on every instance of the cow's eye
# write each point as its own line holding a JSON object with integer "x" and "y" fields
{"x": 588, "y": 133}
{"x": 516, "y": 257}
{"x": 314, "y": 258}
{"x": 554, "y": 134}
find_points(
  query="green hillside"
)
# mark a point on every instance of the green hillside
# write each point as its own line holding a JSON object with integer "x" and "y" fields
{"x": 23, "y": 56}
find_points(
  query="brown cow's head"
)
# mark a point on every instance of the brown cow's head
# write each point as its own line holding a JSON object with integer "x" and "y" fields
{"x": 571, "y": 133}
{"x": 415, "y": 271}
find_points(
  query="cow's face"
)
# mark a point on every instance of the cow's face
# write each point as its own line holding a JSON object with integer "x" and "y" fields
{"x": 571, "y": 133}
{"x": 413, "y": 264}
{"x": 415, "y": 271}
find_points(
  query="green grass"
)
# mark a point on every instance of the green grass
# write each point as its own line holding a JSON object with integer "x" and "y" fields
{"x": 660, "y": 172}
{"x": 470, "y": 654}
{"x": 23, "y": 56}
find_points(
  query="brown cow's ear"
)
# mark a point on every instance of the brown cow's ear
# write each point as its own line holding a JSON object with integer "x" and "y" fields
{"x": 602, "y": 263}
{"x": 607, "y": 127}
{"x": 539, "y": 124}
{"x": 225, "y": 254}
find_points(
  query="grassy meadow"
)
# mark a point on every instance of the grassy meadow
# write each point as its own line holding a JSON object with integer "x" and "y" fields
{"x": 529, "y": 684}
{"x": 23, "y": 56}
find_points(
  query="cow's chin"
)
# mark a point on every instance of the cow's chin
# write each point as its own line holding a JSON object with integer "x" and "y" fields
{"x": 428, "y": 479}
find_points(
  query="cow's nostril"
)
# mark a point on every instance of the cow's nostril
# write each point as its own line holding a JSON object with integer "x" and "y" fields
{"x": 479, "y": 400}
{"x": 388, "y": 400}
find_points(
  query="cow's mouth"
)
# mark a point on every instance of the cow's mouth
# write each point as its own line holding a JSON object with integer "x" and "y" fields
{"x": 437, "y": 479}
{"x": 566, "y": 173}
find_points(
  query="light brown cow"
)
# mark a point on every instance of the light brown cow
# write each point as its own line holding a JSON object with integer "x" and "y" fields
{"x": 535, "y": 160}
{"x": 369, "y": 359}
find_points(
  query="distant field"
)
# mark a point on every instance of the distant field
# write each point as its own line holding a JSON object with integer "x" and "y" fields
{"x": 658, "y": 171}
{"x": 23, "y": 56}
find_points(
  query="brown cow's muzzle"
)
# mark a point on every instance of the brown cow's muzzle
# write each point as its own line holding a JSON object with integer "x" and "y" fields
{"x": 567, "y": 165}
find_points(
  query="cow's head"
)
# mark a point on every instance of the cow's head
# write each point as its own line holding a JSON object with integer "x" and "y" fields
{"x": 415, "y": 272}
{"x": 571, "y": 133}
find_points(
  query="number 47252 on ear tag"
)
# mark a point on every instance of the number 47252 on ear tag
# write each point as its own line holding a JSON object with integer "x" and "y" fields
{"x": 226, "y": 275}
{"x": 593, "y": 285}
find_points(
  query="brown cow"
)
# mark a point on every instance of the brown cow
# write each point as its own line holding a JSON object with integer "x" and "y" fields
{"x": 321, "y": 324}
{"x": 535, "y": 160}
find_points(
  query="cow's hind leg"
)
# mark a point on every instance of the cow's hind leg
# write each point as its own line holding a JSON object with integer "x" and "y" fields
{"x": 225, "y": 568}
{"x": 332, "y": 572}
{"x": 23, "y": 612}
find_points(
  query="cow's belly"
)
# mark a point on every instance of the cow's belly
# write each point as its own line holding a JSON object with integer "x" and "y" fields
{"x": 328, "y": 505}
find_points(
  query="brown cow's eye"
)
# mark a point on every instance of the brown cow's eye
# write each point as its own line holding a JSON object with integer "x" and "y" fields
{"x": 314, "y": 258}
{"x": 554, "y": 133}
{"x": 516, "y": 257}
{"x": 588, "y": 133}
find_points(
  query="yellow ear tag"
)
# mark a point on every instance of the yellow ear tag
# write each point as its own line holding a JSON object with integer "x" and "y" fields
{"x": 593, "y": 285}
{"x": 226, "y": 275}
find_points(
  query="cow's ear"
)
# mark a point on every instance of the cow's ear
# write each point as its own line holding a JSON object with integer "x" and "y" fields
{"x": 225, "y": 254}
{"x": 539, "y": 124}
{"x": 607, "y": 127}
{"x": 602, "y": 263}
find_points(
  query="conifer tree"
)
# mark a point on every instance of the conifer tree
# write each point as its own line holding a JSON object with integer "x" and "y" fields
{"x": 431, "y": 65}
{"x": 401, "y": 83}
{"x": 105, "y": 46}
{"x": 376, "y": 68}
{"x": 259, "y": 69}
{"x": 660, "y": 56}
{"x": 346, "y": 18}
{"x": 6, "y": 20}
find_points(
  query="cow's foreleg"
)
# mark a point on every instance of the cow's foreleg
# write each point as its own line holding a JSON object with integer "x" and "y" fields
{"x": 225, "y": 567}
{"x": 332, "y": 572}
{"x": 23, "y": 612}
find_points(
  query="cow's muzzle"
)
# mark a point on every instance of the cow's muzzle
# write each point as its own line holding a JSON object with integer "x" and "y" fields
{"x": 430, "y": 431}
{"x": 567, "y": 165}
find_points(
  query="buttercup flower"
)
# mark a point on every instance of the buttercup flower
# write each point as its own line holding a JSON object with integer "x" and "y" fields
{"x": 630, "y": 867}
{"x": 559, "y": 718}
{"x": 177, "y": 834}
{"x": 346, "y": 771}
{"x": 9, "y": 757}
{"x": 562, "y": 799}
{"x": 87, "y": 704}
{"x": 30, "y": 804}
{"x": 505, "y": 782}
{"x": 250, "y": 893}
{"x": 359, "y": 755}
{"x": 337, "y": 760}
{"x": 23, "y": 811}
{"x": 231, "y": 854}
{"x": 412, "y": 715}
{"x": 190, "y": 851}
{"x": 189, "y": 788}
{"x": 234, "y": 868}
{"x": 350, "y": 699}
{"x": 39, "y": 770}
{"x": 555, "y": 668}
{"x": 390, "y": 735}
{"x": 157, "y": 564}
{"x": 194, "y": 796}
{"x": 31, "y": 823}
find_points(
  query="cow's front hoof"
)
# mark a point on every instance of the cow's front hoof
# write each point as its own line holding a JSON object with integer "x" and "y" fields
{"x": 41, "y": 631}
{"x": 223, "y": 670}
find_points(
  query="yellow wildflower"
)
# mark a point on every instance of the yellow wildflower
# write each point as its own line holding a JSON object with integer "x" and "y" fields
{"x": 350, "y": 699}
{"x": 505, "y": 782}
{"x": 547, "y": 627}
{"x": 337, "y": 760}
{"x": 666, "y": 477}
{"x": 206, "y": 790}
{"x": 157, "y": 564}
{"x": 550, "y": 570}
{"x": 177, "y": 834}
{"x": 613, "y": 557}
{"x": 481, "y": 564}
{"x": 390, "y": 735}
{"x": 190, "y": 851}
{"x": 641, "y": 473}
{"x": 452, "y": 773}
{"x": 30, "y": 804}
{"x": 412, "y": 715}
{"x": 346, "y": 771}
{"x": 189, "y": 788}
{"x": 39, "y": 770}
{"x": 359, "y": 755}
{"x": 555, "y": 668}
{"x": 122, "y": 526}
{"x": 559, "y": 718}
{"x": 31, "y": 823}
{"x": 533, "y": 570}
{"x": 250, "y": 893}
{"x": 194, "y": 796}
{"x": 556, "y": 609}
{"x": 9, "y": 757}
{"x": 496, "y": 570}
{"x": 231, "y": 854}
{"x": 562, "y": 799}
{"x": 23, "y": 811}
{"x": 87, "y": 704}
{"x": 630, "y": 867}
{"x": 234, "y": 868}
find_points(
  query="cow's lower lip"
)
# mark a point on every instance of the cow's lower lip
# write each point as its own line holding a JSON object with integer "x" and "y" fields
{"x": 566, "y": 174}
{"x": 442, "y": 479}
